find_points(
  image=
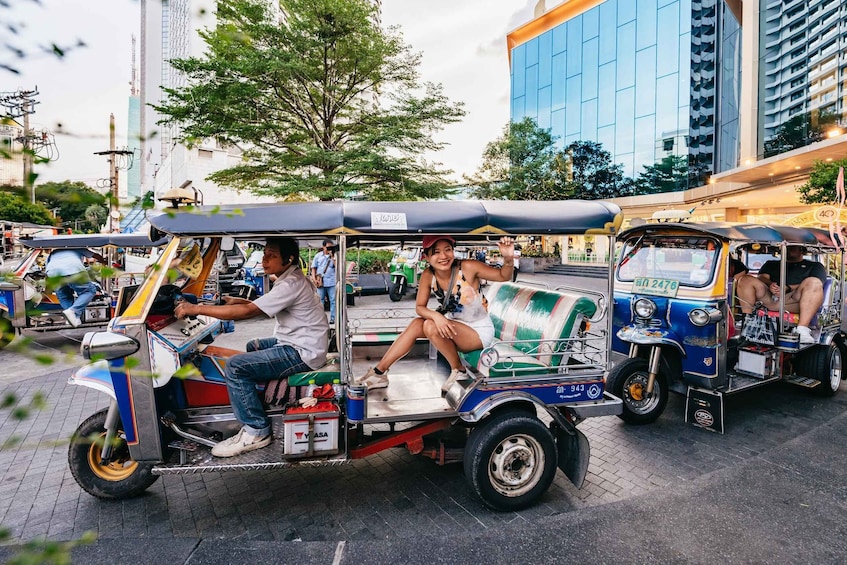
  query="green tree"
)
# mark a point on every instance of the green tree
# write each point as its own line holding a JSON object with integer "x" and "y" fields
{"x": 14, "y": 208}
{"x": 801, "y": 130}
{"x": 669, "y": 174}
{"x": 594, "y": 176}
{"x": 72, "y": 199}
{"x": 299, "y": 95}
{"x": 522, "y": 164}
{"x": 820, "y": 188}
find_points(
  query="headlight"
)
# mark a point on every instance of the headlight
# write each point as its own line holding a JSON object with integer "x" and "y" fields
{"x": 107, "y": 345}
{"x": 644, "y": 308}
{"x": 704, "y": 317}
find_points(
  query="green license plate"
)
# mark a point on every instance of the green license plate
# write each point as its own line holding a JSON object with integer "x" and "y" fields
{"x": 655, "y": 287}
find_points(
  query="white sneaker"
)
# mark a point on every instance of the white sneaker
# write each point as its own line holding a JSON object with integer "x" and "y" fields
{"x": 372, "y": 380}
{"x": 242, "y": 442}
{"x": 73, "y": 319}
{"x": 455, "y": 375}
{"x": 805, "y": 335}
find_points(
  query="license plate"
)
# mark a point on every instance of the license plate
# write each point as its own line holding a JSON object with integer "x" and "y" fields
{"x": 656, "y": 287}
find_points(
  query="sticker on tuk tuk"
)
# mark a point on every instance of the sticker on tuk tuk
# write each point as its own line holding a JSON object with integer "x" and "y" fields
{"x": 655, "y": 287}
{"x": 388, "y": 220}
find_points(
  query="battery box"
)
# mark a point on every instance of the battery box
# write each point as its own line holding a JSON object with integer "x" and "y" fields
{"x": 757, "y": 361}
{"x": 311, "y": 431}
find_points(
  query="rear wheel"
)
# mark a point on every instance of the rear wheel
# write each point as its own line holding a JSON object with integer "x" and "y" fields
{"x": 824, "y": 363}
{"x": 398, "y": 289}
{"x": 120, "y": 477}
{"x": 628, "y": 381}
{"x": 7, "y": 332}
{"x": 510, "y": 460}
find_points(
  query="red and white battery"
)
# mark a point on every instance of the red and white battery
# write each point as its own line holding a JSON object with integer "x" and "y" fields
{"x": 311, "y": 431}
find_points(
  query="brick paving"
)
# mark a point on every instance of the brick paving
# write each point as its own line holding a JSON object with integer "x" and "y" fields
{"x": 389, "y": 495}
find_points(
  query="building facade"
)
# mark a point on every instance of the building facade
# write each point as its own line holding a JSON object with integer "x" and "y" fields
{"x": 749, "y": 93}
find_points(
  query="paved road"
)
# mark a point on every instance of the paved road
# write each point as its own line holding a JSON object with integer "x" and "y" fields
{"x": 771, "y": 489}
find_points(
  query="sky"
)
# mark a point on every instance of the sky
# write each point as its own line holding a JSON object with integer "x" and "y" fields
{"x": 463, "y": 43}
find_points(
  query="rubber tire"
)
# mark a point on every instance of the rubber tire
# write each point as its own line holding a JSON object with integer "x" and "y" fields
{"x": 617, "y": 380}
{"x": 7, "y": 332}
{"x": 815, "y": 364}
{"x": 351, "y": 300}
{"x": 483, "y": 442}
{"x": 398, "y": 289}
{"x": 78, "y": 461}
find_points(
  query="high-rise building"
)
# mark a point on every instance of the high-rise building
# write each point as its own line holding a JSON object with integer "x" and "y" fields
{"x": 749, "y": 92}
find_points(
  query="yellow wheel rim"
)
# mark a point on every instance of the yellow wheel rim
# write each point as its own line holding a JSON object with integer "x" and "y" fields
{"x": 636, "y": 391}
{"x": 118, "y": 469}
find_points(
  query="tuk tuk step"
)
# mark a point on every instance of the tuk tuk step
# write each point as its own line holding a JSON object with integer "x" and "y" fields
{"x": 802, "y": 381}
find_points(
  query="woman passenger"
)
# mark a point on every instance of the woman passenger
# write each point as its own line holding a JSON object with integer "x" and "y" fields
{"x": 460, "y": 322}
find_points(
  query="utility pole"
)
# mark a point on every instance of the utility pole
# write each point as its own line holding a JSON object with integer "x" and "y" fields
{"x": 118, "y": 159}
{"x": 22, "y": 104}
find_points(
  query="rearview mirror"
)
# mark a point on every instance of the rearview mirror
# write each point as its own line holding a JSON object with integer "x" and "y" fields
{"x": 227, "y": 243}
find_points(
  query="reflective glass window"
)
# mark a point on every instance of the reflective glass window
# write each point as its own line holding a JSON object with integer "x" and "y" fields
{"x": 606, "y": 137}
{"x": 608, "y": 31}
{"x": 626, "y": 56}
{"x": 518, "y": 109}
{"x": 545, "y": 58}
{"x": 557, "y": 126}
{"x": 625, "y": 160}
{"x": 531, "y": 107}
{"x": 560, "y": 38}
{"x": 645, "y": 82}
{"x": 645, "y": 142}
{"x": 572, "y": 139}
{"x": 666, "y": 106}
{"x": 532, "y": 52}
{"x": 626, "y": 11}
{"x": 646, "y": 24}
{"x": 667, "y": 42}
{"x": 589, "y": 120}
{"x": 574, "y": 46}
{"x": 665, "y": 2}
{"x": 590, "y": 23}
{"x": 589, "y": 69}
{"x": 544, "y": 107}
{"x": 558, "y": 81}
{"x": 606, "y": 94}
{"x": 573, "y": 104}
{"x": 518, "y": 70}
{"x": 624, "y": 121}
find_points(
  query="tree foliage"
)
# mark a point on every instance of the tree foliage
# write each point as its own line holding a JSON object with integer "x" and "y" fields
{"x": 299, "y": 95}
{"x": 72, "y": 201}
{"x": 522, "y": 164}
{"x": 15, "y": 208}
{"x": 820, "y": 188}
{"x": 594, "y": 176}
{"x": 801, "y": 130}
{"x": 668, "y": 175}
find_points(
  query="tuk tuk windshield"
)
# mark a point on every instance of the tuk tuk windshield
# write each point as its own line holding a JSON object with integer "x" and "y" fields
{"x": 688, "y": 260}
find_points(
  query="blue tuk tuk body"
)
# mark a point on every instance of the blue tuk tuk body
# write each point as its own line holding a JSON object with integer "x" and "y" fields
{"x": 678, "y": 323}
{"x": 25, "y": 303}
{"x": 549, "y": 359}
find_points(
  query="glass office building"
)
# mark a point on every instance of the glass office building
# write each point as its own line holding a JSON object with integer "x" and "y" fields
{"x": 647, "y": 79}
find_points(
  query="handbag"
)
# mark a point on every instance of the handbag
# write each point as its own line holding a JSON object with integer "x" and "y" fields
{"x": 319, "y": 278}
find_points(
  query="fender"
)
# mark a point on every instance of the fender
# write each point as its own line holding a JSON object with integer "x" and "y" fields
{"x": 479, "y": 411}
{"x": 650, "y": 336}
{"x": 95, "y": 375}
{"x": 397, "y": 273}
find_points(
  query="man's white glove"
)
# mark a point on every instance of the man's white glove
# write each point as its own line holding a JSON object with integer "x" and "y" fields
{"x": 308, "y": 402}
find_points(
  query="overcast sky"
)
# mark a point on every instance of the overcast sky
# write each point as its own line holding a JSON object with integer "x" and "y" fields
{"x": 462, "y": 41}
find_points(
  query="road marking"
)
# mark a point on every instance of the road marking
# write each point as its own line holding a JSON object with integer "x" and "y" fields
{"x": 339, "y": 553}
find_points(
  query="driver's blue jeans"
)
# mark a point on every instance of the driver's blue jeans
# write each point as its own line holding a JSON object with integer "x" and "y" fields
{"x": 264, "y": 361}
{"x": 76, "y": 296}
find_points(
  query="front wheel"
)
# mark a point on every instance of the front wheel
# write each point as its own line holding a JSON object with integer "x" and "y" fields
{"x": 510, "y": 460}
{"x": 398, "y": 289}
{"x": 120, "y": 477}
{"x": 628, "y": 381}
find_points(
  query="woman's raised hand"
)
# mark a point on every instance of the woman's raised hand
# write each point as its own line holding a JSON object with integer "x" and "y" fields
{"x": 507, "y": 247}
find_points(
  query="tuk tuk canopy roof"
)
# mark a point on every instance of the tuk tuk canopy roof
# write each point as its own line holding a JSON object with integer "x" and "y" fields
{"x": 82, "y": 241}
{"x": 398, "y": 219}
{"x": 741, "y": 232}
